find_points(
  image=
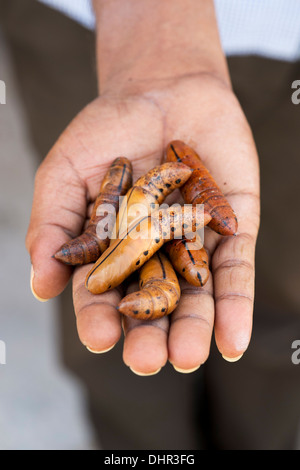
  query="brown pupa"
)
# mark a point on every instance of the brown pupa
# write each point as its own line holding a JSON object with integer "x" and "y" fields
{"x": 192, "y": 264}
{"x": 201, "y": 188}
{"x": 149, "y": 191}
{"x": 159, "y": 292}
{"x": 88, "y": 247}
{"x": 142, "y": 239}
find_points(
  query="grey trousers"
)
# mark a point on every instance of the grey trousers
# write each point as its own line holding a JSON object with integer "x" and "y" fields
{"x": 254, "y": 403}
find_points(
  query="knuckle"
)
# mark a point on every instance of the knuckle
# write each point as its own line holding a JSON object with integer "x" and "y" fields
{"x": 233, "y": 296}
{"x": 201, "y": 319}
{"x": 233, "y": 263}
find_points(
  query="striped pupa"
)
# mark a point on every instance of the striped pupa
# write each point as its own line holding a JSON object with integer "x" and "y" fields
{"x": 189, "y": 261}
{"x": 149, "y": 191}
{"x": 141, "y": 240}
{"x": 201, "y": 188}
{"x": 88, "y": 247}
{"x": 159, "y": 292}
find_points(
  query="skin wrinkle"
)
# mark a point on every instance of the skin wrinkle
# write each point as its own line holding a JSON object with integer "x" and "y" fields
{"x": 249, "y": 239}
{"x": 119, "y": 290}
{"x": 96, "y": 168}
{"x": 145, "y": 325}
{"x": 148, "y": 156}
{"x": 191, "y": 291}
{"x": 148, "y": 99}
{"x": 96, "y": 181}
{"x": 73, "y": 211}
{"x": 231, "y": 263}
{"x": 233, "y": 296}
{"x": 192, "y": 316}
{"x": 169, "y": 81}
{"x": 240, "y": 193}
{"x": 68, "y": 232}
{"x": 75, "y": 190}
{"x": 111, "y": 100}
{"x": 93, "y": 304}
{"x": 81, "y": 143}
{"x": 150, "y": 96}
{"x": 153, "y": 101}
{"x": 82, "y": 183}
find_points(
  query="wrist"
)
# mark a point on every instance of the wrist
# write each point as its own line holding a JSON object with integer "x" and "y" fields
{"x": 141, "y": 42}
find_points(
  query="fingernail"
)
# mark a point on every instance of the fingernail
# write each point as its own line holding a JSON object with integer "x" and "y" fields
{"x": 142, "y": 374}
{"x": 32, "y": 289}
{"x": 232, "y": 359}
{"x": 101, "y": 352}
{"x": 186, "y": 371}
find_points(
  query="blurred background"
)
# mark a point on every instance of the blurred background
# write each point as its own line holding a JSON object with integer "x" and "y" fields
{"x": 42, "y": 406}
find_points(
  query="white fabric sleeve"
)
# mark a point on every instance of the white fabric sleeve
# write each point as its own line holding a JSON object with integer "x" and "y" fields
{"x": 270, "y": 28}
{"x": 79, "y": 10}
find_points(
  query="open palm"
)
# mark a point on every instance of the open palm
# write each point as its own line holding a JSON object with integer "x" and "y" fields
{"x": 204, "y": 113}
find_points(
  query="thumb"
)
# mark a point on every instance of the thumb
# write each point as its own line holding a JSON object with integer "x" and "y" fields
{"x": 58, "y": 214}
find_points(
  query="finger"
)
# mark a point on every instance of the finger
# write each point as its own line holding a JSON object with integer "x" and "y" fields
{"x": 145, "y": 344}
{"x": 233, "y": 271}
{"x": 98, "y": 320}
{"x": 58, "y": 214}
{"x": 191, "y": 327}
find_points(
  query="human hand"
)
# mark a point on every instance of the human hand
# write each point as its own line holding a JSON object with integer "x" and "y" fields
{"x": 201, "y": 110}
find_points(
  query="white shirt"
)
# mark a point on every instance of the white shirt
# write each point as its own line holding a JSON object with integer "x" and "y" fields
{"x": 270, "y": 28}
